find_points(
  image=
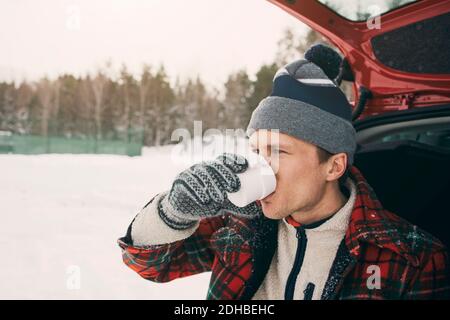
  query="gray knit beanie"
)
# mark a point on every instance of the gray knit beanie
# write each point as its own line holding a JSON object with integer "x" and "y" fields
{"x": 307, "y": 105}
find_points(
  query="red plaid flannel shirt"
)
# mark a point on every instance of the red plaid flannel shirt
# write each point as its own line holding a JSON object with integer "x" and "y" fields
{"x": 410, "y": 263}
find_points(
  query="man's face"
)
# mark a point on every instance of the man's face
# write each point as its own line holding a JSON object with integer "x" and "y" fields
{"x": 300, "y": 176}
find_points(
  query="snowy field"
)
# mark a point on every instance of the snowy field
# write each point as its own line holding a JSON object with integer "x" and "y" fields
{"x": 61, "y": 216}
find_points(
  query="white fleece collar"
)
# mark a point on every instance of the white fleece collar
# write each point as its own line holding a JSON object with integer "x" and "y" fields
{"x": 339, "y": 221}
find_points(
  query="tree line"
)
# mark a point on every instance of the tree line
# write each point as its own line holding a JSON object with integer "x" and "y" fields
{"x": 146, "y": 108}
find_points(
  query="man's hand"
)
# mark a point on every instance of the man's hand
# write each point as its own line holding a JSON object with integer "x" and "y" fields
{"x": 201, "y": 192}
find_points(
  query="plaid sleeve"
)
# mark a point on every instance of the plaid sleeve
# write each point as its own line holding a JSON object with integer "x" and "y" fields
{"x": 432, "y": 280}
{"x": 166, "y": 262}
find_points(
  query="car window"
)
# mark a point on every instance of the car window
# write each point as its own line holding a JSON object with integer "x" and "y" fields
{"x": 361, "y": 10}
{"x": 438, "y": 137}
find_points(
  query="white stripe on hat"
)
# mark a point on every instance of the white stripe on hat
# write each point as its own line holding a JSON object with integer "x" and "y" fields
{"x": 316, "y": 81}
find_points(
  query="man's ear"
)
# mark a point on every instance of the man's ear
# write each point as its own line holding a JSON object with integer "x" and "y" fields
{"x": 336, "y": 166}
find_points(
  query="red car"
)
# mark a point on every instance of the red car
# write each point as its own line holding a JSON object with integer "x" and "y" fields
{"x": 399, "y": 63}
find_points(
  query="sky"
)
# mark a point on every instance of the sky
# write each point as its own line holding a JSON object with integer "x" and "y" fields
{"x": 210, "y": 38}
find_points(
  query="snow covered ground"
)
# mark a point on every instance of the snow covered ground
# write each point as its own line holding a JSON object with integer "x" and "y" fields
{"x": 62, "y": 214}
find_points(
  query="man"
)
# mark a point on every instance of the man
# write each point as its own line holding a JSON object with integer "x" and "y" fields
{"x": 322, "y": 234}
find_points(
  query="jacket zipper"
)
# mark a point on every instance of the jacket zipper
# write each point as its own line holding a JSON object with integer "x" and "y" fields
{"x": 299, "y": 256}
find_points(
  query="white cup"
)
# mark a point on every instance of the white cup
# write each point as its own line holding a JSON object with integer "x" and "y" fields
{"x": 257, "y": 182}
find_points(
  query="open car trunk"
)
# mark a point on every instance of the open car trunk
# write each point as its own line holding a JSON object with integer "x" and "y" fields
{"x": 405, "y": 157}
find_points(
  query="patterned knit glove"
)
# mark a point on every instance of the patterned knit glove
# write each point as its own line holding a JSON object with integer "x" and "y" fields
{"x": 201, "y": 192}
